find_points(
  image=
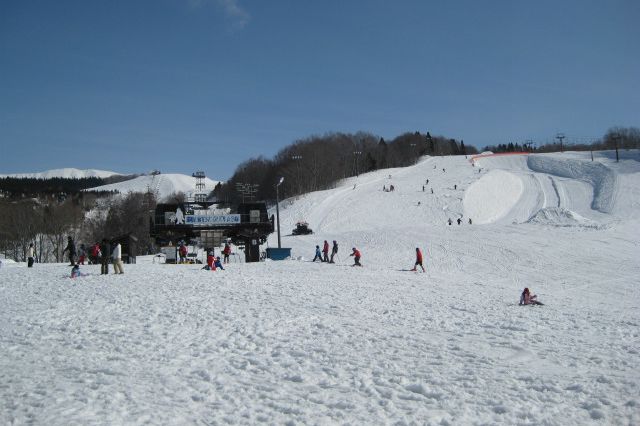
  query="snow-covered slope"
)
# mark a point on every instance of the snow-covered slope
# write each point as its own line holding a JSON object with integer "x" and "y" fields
{"x": 297, "y": 342}
{"x": 64, "y": 173}
{"x": 163, "y": 185}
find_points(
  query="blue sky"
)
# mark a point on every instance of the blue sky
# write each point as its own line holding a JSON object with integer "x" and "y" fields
{"x": 185, "y": 85}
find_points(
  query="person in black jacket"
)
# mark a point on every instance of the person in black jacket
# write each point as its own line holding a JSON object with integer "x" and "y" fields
{"x": 105, "y": 249}
{"x": 71, "y": 248}
{"x": 334, "y": 251}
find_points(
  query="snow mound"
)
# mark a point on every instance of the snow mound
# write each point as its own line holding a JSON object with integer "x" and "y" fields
{"x": 493, "y": 196}
{"x": 68, "y": 173}
{"x": 559, "y": 216}
{"x": 163, "y": 185}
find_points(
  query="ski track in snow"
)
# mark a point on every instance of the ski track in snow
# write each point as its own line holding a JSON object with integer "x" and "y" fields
{"x": 296, "y": 342}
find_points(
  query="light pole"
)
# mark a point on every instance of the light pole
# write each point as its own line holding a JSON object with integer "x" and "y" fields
{"x": 278, "y": 208}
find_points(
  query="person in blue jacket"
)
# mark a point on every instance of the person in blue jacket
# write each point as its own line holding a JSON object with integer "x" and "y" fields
{"x": 218, "y": 263}
{"x": 318, "y": 254}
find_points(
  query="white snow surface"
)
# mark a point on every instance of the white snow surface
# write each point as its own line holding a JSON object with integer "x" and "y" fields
{"x": 296, "y": 342}
{"x": 69, "y": 173}
{"x": 163, "y": 185}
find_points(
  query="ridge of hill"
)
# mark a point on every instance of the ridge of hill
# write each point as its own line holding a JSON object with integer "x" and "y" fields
{"x": 66, "y": 173}
{"x": 163, "y": 185}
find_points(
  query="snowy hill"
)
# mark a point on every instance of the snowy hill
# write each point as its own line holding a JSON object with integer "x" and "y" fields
{"x": 296, "y": 342}
{"x": 69, "y": 173}
{"x": 163, "y": 185}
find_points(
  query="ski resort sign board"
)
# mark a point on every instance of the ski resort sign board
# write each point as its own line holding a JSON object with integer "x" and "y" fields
{"x": 229, "y": 219}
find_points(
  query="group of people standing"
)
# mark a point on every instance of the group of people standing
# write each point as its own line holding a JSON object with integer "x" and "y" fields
{"x": 98, "y": 253}
{"x": 323, "y": 255}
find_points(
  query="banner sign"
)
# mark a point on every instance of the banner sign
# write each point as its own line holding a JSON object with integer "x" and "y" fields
{"x": 229, "y": 219}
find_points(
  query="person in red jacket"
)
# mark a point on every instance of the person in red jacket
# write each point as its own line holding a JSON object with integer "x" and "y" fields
{"x": 210, "y": 260}
{"x": 356, "y": 257}
{"x": 325, "y": 251}
{"x": 418, "y": 260}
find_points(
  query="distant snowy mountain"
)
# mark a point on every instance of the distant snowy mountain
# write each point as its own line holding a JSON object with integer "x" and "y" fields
{"x": 163, "y": 185}
{"x": 69, "y": 173}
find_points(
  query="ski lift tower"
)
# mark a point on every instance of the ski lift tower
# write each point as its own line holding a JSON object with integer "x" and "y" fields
{"x": 200, "y": 195}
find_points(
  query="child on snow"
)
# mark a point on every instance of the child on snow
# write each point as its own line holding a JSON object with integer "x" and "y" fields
{"x": 218, "y": 264}
{"x": 318, "y": 254}
{"x": 75, "y": 271}
{"x": 526, "y": 298}
{"x": 356, "y": 257}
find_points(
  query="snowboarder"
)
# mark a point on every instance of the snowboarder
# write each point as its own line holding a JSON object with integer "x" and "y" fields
{"x": 334, "y": 251}
{"x": 356, "y": 257}
{"x": 318, "y": 254}
{"x": 418, "y": 260}
{"x": 459, "y": 221}
{"x": 325, "y": 251}
{"x": 526, "y": 298}
{"x": 226, "y": 252}
{"x": 105, "y": 249}
{"x": 118, "y": 267}
{"x": 71, "y": 248}
{"x": 31, "y": 254}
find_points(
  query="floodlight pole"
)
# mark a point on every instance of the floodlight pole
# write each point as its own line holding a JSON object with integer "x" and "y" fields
{"x": 278, "y": 208}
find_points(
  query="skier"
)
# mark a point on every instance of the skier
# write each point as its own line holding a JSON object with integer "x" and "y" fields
{"x": 31, "y": 254}
{"x": 449, "y": 221}
{"x": 427, "y": 181}
{"x": 459, "y": 221}
{"x": 422, "y": 188}
{"x": 226, "y": 252}
{"x": 443, "y": 171}
{"x": 334, "y": 251}
{"x": 118, "y": 267}
{"x": 469, "y": 221}
{"x": 105, "y": 249}
{"x": 526, "y": 298}
{"x": 325, "y": 251}
{"x": 71, "y": 248}
{"x": 356, "y": 257}
{"x": 418, "y": 260}
{"x": 455, "y": 186}
{"x": 318, "y": 254}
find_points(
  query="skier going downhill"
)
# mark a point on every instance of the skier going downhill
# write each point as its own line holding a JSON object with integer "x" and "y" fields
{"x": 418, "y": 260}
{"x": 356, "y": 257}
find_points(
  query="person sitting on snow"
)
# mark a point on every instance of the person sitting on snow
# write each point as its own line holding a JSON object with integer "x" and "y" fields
{"x": 75, "y": 271}
{"x": 218, "y": 264}
{"x": 526, "y": 298}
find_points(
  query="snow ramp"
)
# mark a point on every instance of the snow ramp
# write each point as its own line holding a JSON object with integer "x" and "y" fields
{"x": 602, "y": 178}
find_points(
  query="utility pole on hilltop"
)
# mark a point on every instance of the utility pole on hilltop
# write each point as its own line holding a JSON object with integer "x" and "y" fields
{"x": 616, "y": 137}
{"x": 560, "y": 137}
